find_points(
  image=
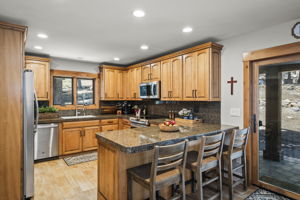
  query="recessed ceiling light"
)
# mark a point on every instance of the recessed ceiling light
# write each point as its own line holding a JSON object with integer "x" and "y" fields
{"x": 42, "y": 35}
{"x": 80, "y": 58}
{"x": 38, "y": 47}
{"x": 187, "y": 29}
{"x": 139, "y": 13}
{"x": 116, "y": 59}
{"x": 144, "y": 47}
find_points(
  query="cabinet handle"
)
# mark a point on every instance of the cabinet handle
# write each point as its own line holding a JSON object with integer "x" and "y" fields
{"x": 47, "y": 94}
{"x": 195, "y": 93}
{"x": 171, "y": 94}
{"x": 150, "y": 75}
{"x": 110, "y": 130}
{"x": 105, "y": 94}
{"x": 168, "y": 94}
{"x": 83, "y": 133}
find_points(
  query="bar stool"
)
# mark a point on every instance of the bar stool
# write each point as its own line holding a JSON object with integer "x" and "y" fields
{"x": 236, "y": 150}
{"x": 206, "y": 159}
{"x": 166, "y": 169}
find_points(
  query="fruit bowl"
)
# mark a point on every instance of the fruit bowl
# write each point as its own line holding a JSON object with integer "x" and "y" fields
{"x": 169, "y": 126}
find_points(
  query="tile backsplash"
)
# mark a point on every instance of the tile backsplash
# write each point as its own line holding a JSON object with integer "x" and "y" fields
{"x": 210, "y": 112}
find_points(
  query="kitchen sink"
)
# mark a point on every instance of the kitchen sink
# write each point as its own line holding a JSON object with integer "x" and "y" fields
{"x": 78, "y": 117}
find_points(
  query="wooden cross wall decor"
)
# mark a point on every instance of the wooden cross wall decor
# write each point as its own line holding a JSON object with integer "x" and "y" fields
{"x": 232, "y": 81}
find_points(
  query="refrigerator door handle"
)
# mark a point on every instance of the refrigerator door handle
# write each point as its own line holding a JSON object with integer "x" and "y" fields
{"x": 36, "y": 120}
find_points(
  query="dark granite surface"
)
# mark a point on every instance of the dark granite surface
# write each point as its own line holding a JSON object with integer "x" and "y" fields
{"x": 97, "y": 117}
{"x": 143, "y": 139}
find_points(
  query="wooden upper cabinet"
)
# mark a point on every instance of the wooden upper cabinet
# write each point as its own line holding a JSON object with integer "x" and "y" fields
{"x": 89, "y": 140}
{"x": 171, "y": 79}
{"x": 134, "y": 79}
{"x": 151, "y": 72}
{"x": 119, "y": 82}
{"x": 146, "y": 73}
{"x": 201, "y": 75}
{"x": 189, "y": 76}
{"x": 176, "y": 78}
{"x": 166, "y": 80}
{"x": 41, "y": 70}
{"x": 155, "y": 71}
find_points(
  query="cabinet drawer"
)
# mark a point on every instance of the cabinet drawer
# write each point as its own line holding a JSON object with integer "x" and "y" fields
{"x": 124, "y": 122}
{"x": 109, "y": 121}
{"x": 109, "y": 128}
{"x": 80, "y": 124}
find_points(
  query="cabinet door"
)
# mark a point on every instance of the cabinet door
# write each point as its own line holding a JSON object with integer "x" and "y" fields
{"x": 189, "y": 76}
{"x": 155, "y": 72}
{"x": 119, "y": 82}
{"x": 72, "y": 140}
{"x": 202, "y": 71}
{"x": 146, "y": 73}
{"x": 166, "y": 83}
{"x": 138, "y": 81}
{"x": 89, "y": 140}
{"x": 41, "y": 72}
{"x": 132, "y": 81}
{"x": 109, "y": 84}
{"x": 126, "y": 85}
{"x": 176, "y": 81}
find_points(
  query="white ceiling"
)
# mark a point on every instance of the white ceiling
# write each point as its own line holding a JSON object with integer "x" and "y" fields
{"x": 99, "y": 30}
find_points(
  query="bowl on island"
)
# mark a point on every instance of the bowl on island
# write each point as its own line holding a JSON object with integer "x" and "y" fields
{"x": 169, "y": 126}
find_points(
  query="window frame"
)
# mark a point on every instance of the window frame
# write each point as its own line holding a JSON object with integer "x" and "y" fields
{"x": 94, "y": 100}
{"x": 75, "y": 76}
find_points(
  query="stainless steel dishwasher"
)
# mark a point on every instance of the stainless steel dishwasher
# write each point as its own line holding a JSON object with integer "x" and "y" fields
{"x": 46, "y": 141}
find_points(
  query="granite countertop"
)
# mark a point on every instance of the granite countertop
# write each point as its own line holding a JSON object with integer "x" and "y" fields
{"x": 143, "y": 139}
{"x": 97, "y": 117}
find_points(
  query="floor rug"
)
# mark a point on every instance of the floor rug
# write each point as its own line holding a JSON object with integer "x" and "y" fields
{"x": 73, "y": 160}
{"x": 261, "y": 194}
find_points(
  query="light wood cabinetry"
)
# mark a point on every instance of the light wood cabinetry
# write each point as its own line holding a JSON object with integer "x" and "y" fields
{"x": 89, "y": 141}
{"x": 134, "y": 79}
{"x": 201, "y": 75}
{"x": 171, "y": 79}
{"x": 41, "y": 69}
{"x": 151, "y": 72}
{"x": 191, "y": 74}
{"x": 12, "y": 38}
{"x": 79, "y": 136}
{"x": 108, "y": 86}
{"x": 72, "y": 140}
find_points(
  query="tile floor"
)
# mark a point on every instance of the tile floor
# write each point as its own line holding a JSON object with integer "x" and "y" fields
{"x": 54, "y": 180}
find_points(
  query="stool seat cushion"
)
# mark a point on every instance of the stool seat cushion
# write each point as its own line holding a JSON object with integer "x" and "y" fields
{"x": 164, "y": 178}
{"x": 207, "y": 163}
{"x": 236, "y": 153}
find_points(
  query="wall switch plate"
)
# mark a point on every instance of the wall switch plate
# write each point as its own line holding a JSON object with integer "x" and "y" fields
{"x": 235, "y": 112}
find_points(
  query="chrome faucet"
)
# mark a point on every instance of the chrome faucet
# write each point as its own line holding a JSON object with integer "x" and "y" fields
{"x": 77, "y": 111}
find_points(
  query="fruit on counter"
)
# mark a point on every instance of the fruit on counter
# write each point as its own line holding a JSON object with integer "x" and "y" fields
{"x": 170, "y": 123}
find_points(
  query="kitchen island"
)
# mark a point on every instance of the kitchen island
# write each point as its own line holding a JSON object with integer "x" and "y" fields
{"x": 123, "y": 149}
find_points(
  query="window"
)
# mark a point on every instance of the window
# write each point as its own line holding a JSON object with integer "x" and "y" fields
{"x": 62, "y": 91}
{"x": 85, "y": 91}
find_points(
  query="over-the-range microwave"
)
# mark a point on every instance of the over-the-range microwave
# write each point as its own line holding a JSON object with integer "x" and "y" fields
{"x": 150, "y": 90}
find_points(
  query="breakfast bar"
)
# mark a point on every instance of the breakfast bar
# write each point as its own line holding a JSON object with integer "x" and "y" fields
{"x": 123, "y": 149}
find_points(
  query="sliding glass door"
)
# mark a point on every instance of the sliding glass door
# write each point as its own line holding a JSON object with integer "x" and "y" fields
{"x": 277, "y": 95}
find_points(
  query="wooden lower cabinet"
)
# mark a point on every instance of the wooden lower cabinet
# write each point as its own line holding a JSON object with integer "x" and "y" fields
{"x": 72, "y": 140}
{"x": 110, "y": 127}
{"x": 89, "y": 140}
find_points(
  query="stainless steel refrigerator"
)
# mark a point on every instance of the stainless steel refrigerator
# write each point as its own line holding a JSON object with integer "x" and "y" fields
{"x": 30, "y": 121}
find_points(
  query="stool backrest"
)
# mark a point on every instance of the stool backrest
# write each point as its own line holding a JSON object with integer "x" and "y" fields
{"x": 210, "y": 146}
{"x": 168, "y": 157}
{"x": 239, "y": 139}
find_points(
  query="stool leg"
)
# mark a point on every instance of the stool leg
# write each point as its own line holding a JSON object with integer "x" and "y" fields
{"x": 199, "y": 185}
{"x": 193, "y": 181}
{"x": 153, "y": 193}
{"x": 245, "y": 172}
{"x": 183, "y": 186}
{"x": 230, "y": 178}
{"x": 129, "y": 187}
{"x": 220, "y": 179}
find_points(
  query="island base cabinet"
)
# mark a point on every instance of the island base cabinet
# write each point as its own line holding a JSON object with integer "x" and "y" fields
{"x": 112, "y": 173}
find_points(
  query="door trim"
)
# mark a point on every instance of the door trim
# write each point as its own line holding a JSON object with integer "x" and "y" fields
{"x": 278, "y": 54}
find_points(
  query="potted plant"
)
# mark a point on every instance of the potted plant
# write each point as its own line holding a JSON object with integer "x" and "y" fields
{"x": 48, "y": 112}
